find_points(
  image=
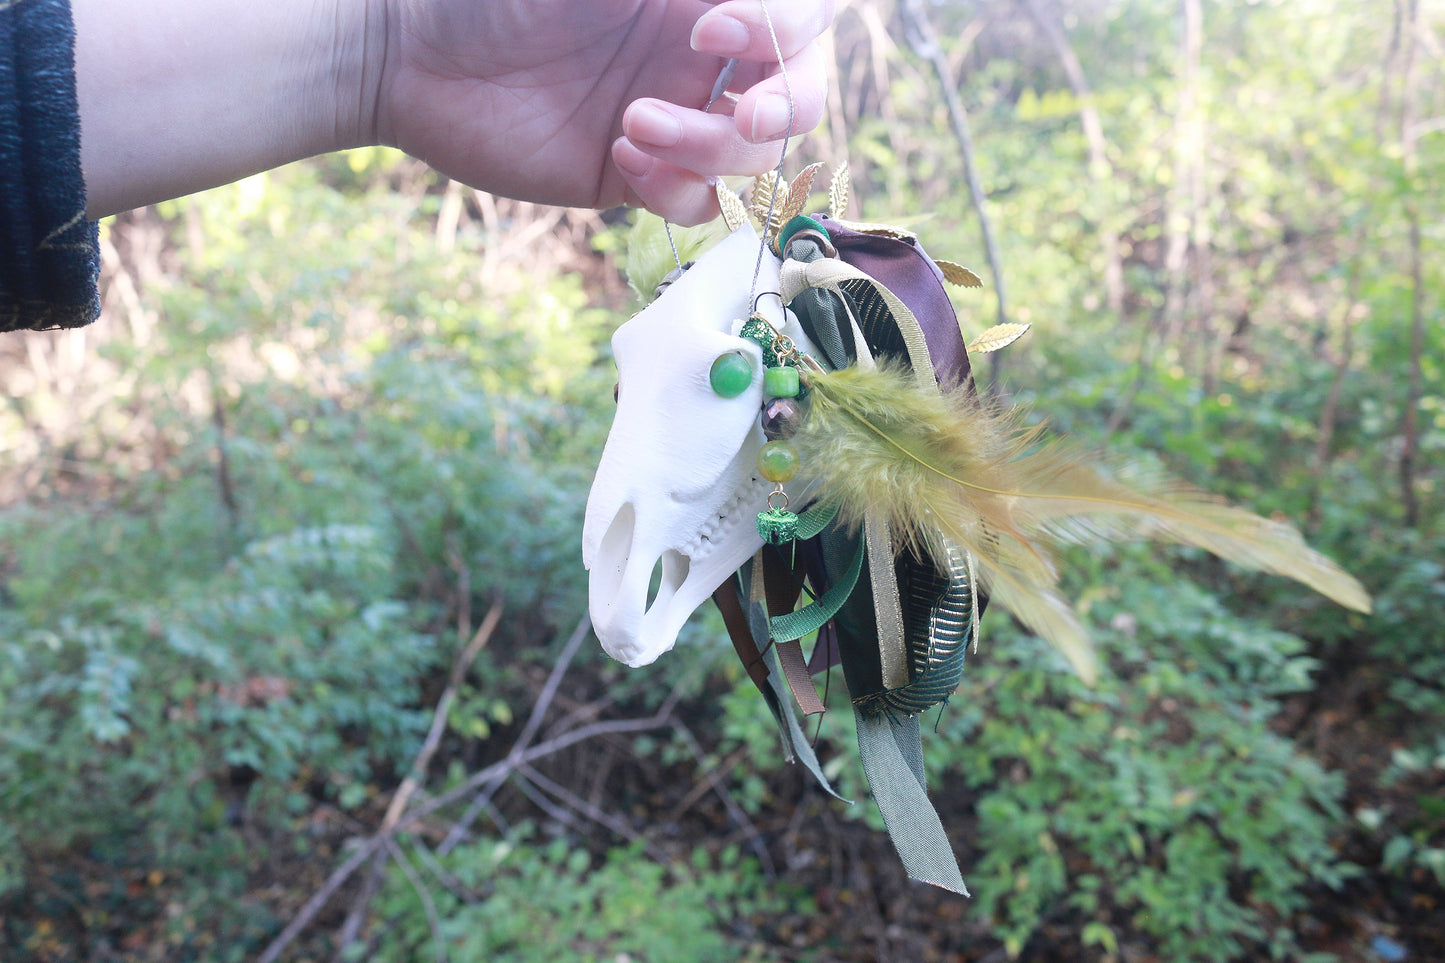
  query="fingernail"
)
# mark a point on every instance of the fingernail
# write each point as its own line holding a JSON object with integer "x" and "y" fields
{"x": 770, "y": 118}
{"x": 720, "y": 34}
{"x": 629, "y": 159}
{"x": 651, "y": 124}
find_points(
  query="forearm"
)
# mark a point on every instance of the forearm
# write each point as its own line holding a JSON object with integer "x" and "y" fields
{"x": 177, "y": 96}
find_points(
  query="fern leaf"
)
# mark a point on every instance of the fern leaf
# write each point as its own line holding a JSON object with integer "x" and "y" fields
{"x": 734, "y": 211}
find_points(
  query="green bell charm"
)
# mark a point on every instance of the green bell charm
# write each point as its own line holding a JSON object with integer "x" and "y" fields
{"x": 777, "y": 525}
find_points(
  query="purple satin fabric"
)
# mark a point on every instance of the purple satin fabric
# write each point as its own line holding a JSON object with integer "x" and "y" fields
{"x": 902, "y": 267}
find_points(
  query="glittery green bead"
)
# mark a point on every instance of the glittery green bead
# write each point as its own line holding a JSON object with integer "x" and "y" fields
{"x": 778, "y": 461}
{"x": 777, "y": 526}
{"x": 780, "y": 383}
{"x": 731, "y": 374}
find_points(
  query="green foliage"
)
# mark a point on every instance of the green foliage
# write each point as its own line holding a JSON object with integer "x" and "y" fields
{"x": 243, "y": 631}
{"x": 333, "y": 423}
{"x": 1158, "y": 802}
{"x": 541, "y": 902}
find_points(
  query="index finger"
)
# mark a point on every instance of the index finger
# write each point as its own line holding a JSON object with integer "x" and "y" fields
{"x": 739, "y": 28}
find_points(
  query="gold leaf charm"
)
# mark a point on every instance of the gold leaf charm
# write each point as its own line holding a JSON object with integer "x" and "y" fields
{"x": 880, "y": 230}
{"x": 838, "y": 192}
{"x": 769, "y": 192}
{"x": 798, "y": 192}
{"x": 734, "y": 212}
{"x": 958, "y": 274}
{"x": 998, "y": 336}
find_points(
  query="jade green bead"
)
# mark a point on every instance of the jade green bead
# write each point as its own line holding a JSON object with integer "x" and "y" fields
{"x": 731, "y": 374}
{"x": 778, "y": 461}
{"x": 780, "y": 383}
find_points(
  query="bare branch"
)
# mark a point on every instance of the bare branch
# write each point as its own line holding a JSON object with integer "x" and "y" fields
{"x": 321, "y": 897}
{"x": 735, "y": 812}
{"x": 439, "y": 945}
{"x": 925, "y": 43}
{"x": 417, "y": 775}
{"x": 597, "y": 815}
{"x": 529, "y": 732}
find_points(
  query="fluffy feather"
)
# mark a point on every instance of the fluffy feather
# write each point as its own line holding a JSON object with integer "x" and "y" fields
{"x": 939, "y": 466}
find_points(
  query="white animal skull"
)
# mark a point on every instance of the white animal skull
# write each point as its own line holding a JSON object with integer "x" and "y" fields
{"x": 678, "y": 482}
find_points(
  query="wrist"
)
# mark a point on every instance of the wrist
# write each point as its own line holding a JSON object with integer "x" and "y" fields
{"x": 177, "y": 96}
{"x": 364, "y": 48}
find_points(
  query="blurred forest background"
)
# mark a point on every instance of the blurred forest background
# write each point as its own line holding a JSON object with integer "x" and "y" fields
{"x": 293, "y": 658}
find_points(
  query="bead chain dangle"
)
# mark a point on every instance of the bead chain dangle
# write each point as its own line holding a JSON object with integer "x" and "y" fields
{"x": 731, "y": 374}
{"x": 782, "y": 414}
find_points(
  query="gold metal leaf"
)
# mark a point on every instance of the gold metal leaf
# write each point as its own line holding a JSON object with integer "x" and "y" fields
{"x": 838, "y": 192}
{"x": 798, "y": 192}
{"x": 879, "y": 230}
{"x": 768, "y": 192}
{"x": 998, "y": 336}
{"x": 734, "y": 212}
{"x": 958, "y": 274}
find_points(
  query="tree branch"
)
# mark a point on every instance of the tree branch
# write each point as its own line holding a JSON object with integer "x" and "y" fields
{"x": 924, "y": 41}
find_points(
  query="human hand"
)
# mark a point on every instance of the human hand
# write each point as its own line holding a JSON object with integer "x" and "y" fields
{"x": 598, "y": 103}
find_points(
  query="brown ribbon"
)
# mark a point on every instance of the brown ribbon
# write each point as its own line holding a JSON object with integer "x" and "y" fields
{"x": 736, "y": 620}
{"x": 784, "y": 585}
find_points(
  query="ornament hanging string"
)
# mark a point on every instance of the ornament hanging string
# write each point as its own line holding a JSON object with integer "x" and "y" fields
{"x": 725, "y": 77}
{"x": 783, "y": 157}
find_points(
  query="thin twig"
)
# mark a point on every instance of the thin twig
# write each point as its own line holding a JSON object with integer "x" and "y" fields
{"x": 735, "y": 812}
{"x": 453, "y": 885}
{"x": 351, "y": 928}
{"x": 320, "y": 898}
{"x": 577, "y": 803}
{"x": 493, "y": 774}
{"x": 924, "y": 41}
{"x": 539, "y": 800}
{"x": 433, "y": 918}
{"x": 463, "y": 662}
{"x": 356, "y": 916}
{"x": 496, "y": 772}
{"x": 707, "y": 782}
{"x": 529, "y": 732}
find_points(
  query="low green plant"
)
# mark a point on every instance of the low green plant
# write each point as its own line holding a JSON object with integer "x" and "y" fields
{"x": 1158, "y": 803}
{"x": 522, "y": 900}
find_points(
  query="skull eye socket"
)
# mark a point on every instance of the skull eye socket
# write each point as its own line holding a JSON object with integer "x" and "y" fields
{"x": 731, "y": 374}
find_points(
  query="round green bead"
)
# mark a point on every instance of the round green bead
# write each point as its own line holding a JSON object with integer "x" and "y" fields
{"x": 731, "y": 374}
{"x": 778, "y": 461}
{"x": 780, "y": 382}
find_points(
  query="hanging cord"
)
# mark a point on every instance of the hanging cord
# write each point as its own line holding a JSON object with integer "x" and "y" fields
{"x": 719, "y": 87}
{"x": 782, "y": 159}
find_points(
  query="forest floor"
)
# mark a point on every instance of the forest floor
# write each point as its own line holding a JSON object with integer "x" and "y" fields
{"x": 863, "y": 908}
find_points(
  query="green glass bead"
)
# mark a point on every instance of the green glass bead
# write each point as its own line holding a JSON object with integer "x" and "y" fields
{"x": 778, "y": 461}
{"x": 731, "y": 374}
{"x": 777, "y": 526}
{"x": 780, "y": 383}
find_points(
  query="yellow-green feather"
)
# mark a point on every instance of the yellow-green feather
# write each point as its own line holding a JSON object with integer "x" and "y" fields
{"x": 649, "y": 256}
{"x": 938, "y": 466}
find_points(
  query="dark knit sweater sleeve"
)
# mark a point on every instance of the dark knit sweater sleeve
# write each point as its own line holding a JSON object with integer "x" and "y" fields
{"x": 49, "y": 253}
